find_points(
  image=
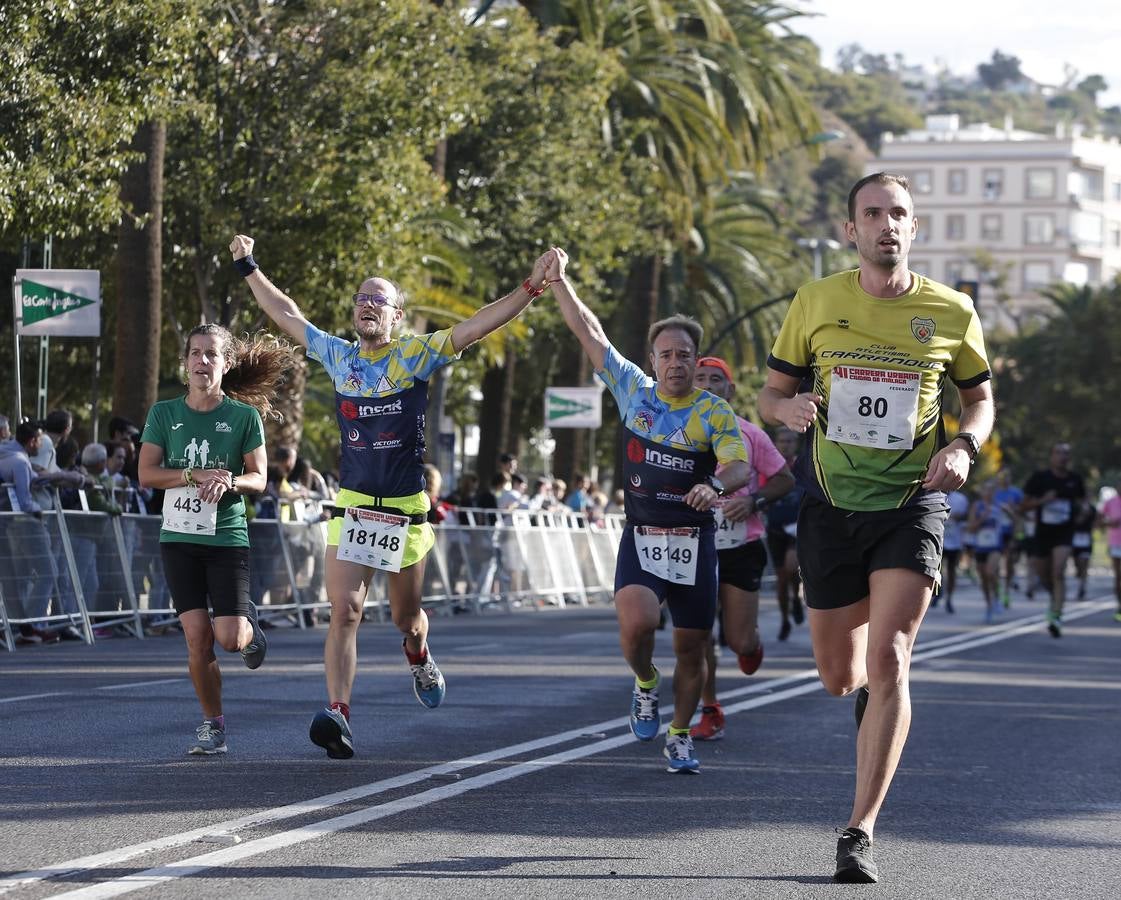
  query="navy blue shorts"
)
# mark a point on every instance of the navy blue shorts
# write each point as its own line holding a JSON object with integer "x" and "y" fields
{"x": 690, "y": 605}
{"x": 202, "y": 575}
{"x": 742, "y": 567}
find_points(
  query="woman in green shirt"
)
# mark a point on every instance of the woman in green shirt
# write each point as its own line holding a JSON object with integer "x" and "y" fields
{"x": 204, "y": 451}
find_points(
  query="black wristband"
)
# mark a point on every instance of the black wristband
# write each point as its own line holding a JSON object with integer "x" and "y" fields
{"x": 760, "y": 501}
{"x": 246, "y": 266}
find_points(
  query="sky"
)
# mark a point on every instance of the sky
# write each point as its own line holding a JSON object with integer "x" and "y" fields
{"x": 962, "y": 33}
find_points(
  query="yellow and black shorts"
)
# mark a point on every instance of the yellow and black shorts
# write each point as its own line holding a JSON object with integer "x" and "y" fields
{"x": 421, "y": 537}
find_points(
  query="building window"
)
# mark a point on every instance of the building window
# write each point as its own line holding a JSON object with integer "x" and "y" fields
{"x": 922, "y": 182}
{"x": 955, "y": 227}
{"x": 1040, "y": 184}
{"x": 1115, "y": 235}
{"x": 1116, "y": 192}
{"x": 992, "y": 181}
{"x": 1037, "y": 275}
{"x": 956, "y": 181}
{"x": 923, "y": 224}
{"x": 955, "y": 269}
{"x": 922, "y": 266}
{"x": 1039, "y": 229}
{"x": 992, "y": 227}
{"x": 1089, "y": 229}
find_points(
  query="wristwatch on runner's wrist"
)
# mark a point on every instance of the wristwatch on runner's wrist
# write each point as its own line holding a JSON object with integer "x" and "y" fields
{"x": 716, "y": 484}
{"x": 971, "y": 440}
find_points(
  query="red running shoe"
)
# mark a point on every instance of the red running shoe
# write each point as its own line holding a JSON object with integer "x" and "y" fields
{"x": 750, "y": 662}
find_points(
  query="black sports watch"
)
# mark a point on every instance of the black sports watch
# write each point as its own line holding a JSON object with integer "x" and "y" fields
{"x": 971, "y": 440}
{"x": 716, "y": 484}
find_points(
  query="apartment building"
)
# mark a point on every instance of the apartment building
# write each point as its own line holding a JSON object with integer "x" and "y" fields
{"x": 1046, "y": 206}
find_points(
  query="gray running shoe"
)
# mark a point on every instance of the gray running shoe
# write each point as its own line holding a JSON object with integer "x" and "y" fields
{"x": 254, "y": 652}
{"x": 210, "y": 741}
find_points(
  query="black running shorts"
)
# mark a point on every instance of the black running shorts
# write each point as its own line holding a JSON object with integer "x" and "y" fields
{"x": 1048, "y": 537}
{"x": 742, "y": 567}
{"x": 838, "y": 549}
{"x": 690, "y": 605}
{"x": 202, "y": 575}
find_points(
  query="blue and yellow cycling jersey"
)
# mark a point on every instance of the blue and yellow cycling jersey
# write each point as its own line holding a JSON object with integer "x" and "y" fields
{"x": 380, "y": 403}
{"x": 674, "y": 443}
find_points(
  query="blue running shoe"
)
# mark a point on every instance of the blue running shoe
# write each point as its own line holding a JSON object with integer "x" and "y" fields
{"x": 210, "y": 740}
{"x": 645, "y": 721}
{"x": 331, "y": 731}
{"x": 679, "y": 754}
{"x": 428, "y": 682}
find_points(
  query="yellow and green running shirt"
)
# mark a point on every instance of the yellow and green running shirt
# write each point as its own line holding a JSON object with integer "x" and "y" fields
{"x": 881, "y": 366}
{"x": 674, "y": 443}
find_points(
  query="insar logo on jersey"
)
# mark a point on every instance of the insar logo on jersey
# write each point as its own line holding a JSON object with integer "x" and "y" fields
{"x": 669, "y": 461}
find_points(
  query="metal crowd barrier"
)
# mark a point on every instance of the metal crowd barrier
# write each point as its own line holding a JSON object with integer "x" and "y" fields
{"x": 103, "y": 574}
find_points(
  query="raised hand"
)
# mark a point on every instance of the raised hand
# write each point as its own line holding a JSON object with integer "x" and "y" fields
{"x": 241, "y": 246}
{"x": 555, "y": 271}
{"x": 540, "y": 269}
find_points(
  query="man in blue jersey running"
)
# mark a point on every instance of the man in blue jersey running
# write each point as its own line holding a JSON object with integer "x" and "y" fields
{"x": 676, "y": 436}
{"x": 381, "y": 396}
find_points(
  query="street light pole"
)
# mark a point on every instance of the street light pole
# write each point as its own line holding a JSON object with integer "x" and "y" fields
{"x": 818, "y": 246}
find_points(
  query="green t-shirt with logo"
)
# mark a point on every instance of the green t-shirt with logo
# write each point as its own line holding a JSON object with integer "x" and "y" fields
{"x": 218, "y": 439}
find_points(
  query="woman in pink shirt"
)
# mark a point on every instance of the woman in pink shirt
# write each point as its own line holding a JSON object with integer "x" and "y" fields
{"x": 1110, "y": 517}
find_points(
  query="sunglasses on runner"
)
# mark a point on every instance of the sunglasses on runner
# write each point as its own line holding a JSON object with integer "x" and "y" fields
{"x": 361, "y": 299}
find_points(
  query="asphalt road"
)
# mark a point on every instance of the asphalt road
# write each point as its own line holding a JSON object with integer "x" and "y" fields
{"x": 526, "y": 783}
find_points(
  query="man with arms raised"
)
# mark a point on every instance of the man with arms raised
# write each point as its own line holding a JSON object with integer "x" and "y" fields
{"x": 881, "y": 344}
{"x": 676, "y": 436}
{"x": 381, "y": 395}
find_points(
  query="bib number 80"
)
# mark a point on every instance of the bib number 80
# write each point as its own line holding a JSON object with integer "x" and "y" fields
{"x": 869, "y": 407}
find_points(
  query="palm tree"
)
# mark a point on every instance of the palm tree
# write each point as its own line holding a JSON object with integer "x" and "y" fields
{"x": 706, "y": 88}
{"x": 727, "y": 267}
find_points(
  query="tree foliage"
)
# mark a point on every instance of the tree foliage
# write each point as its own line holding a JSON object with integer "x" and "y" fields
{"x": 1057, "y": 382}
{"x": 76, "y": 79}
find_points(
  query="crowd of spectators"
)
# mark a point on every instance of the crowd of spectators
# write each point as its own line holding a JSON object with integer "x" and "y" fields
{"x": 43, "y": 465}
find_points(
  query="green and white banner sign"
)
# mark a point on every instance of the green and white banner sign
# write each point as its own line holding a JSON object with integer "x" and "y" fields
{"x": 64, "y": 302}
{"x": 573, "y": 407}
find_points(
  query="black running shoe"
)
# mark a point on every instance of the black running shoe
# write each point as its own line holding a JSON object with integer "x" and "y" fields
{"x": 784, "y": 631}
{"x": 797, "y": 612}
{"x": 861, "y": 705}
{"x": 331, "y": 731}
{"x": 854, "y": 858}
{"x": 253, "y": 653}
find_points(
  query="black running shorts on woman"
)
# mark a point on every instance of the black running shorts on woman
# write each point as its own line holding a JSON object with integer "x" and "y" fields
{"x": 198, "y": 573}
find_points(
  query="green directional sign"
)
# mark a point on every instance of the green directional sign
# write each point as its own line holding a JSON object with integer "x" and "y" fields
{"x": 573, "y": 407}
{"x": 41, "y": 301}
{"x": 64, "y": 302}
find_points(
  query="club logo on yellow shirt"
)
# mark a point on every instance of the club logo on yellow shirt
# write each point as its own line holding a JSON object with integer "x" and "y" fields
{"x": 922, "y": 329}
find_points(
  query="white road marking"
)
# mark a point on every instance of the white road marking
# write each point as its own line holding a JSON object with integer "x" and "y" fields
{"x": 138, "y": 684}
{"x": 127, "y": 884}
